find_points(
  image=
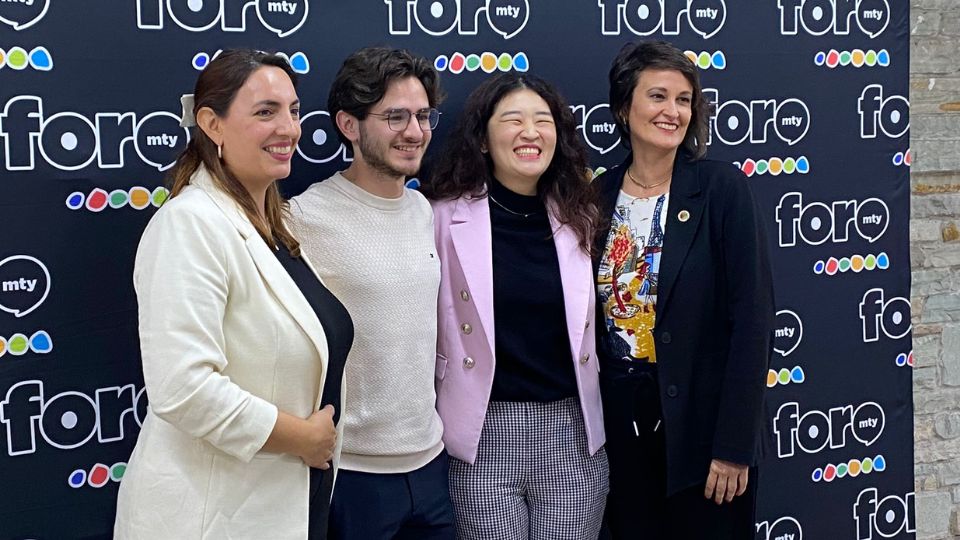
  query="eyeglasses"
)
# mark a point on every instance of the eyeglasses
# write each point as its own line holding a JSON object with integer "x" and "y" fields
{"x": 399, "y": 119}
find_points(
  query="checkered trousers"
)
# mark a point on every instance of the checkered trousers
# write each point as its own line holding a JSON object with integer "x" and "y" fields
{"x": 533, "y": 479}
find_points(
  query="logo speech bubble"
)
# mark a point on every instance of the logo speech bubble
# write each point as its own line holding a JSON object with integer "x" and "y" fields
{"x": 873, "y": 16}
{"x": 598, "y": 128}
{"x": 283, "y": 17}
{"x": 508, "y": 17}
{"x": 868, "y": 421}
{"x": 21, "y": 14}
{"x": 793, "y": 120}
{"x": 707, "y": 16}
{"x": 788, "y": 331}
{"x": 24, "y": 284}
{"x": 873, "y": 216}
{"x": 159, "y": 139}
{"x": 785, "y": 527}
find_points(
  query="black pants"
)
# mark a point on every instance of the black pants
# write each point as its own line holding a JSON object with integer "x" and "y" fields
{"x": 401, "y": 506}
{"x": 638, "y": 507}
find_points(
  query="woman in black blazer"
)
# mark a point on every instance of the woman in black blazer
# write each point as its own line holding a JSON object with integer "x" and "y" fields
{"x": 685, "y": 313}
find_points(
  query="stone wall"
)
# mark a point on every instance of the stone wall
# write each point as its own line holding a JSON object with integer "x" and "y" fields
{"x": 935, "y": 254}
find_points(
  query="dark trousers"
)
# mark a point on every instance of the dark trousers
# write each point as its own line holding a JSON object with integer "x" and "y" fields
{"x": 638, "y": 507}
{"x": 402, "y": 506}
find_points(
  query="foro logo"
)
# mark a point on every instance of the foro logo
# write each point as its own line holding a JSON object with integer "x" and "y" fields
{"x": 817, "y": 17}
{"x": 645, "y": 17}
{"x": 817, "y": 222}
{"x": 891, "y": 114}
{"x": 24, "y": 284}
{"x": 815, "y": 430}
{"x": 887, "y": 517}
{"x": 440, "y": 17}
{"x": 69, "y": 419}
{"x": 282, "y": 17}
{"x": 319, "y": 142}
{"x": 70, "y": 141}
{"x": 890, "y": 316}
{"x": 734, "y": 121}
{"x": 788, "y": 330}
{"x": 785, "y": 528}
{"x": 21, "y": 14}
{"x": 597, "y": 126}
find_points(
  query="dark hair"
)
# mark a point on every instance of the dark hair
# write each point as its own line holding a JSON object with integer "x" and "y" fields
{"x": 216, "y": 88}
{"x": 464, "y": 170}
{"x": 365, "y": 75}
{"x": 625, "y": 72}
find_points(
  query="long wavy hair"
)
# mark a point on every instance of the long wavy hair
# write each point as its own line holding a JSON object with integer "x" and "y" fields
{"x": 216, "y": 88}
{"x": 463, "y": 170}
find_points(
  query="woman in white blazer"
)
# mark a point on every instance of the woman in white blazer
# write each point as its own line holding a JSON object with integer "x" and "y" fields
{"x": 241, "y": 343}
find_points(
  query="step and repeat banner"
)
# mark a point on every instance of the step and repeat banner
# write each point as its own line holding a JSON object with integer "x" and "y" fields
{"x": 810, "y": 101}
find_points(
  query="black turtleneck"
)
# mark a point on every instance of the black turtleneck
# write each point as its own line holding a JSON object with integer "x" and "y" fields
{"x": 530, "y": 326}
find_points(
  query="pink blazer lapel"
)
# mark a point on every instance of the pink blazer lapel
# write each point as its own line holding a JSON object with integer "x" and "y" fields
{"x": 575, "y": 274}
{"x": 471, "y": 236}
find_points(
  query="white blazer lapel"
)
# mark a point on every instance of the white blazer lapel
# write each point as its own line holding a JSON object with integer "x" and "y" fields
{"x": 575, "y": 275}
{"x": 274, "y": 275}
{"x": 472, "y": 240}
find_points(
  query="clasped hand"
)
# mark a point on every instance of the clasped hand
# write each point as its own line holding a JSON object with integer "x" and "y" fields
{"x": 321, "y": 440}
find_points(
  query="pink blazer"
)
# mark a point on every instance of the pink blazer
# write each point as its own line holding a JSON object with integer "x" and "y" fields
{"x": 465, "y": 340}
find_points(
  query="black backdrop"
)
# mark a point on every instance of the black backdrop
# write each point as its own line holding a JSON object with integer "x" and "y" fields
{"x": 811, "y": 103}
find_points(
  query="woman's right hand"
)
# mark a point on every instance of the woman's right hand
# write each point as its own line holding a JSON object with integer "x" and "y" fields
{"x": 320, "y": 439}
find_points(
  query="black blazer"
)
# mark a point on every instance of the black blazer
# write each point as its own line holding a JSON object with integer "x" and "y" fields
{"x": 714, "y": 317}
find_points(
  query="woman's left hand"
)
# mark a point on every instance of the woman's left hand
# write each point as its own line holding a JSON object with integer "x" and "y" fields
{"x": 725, "y": 481}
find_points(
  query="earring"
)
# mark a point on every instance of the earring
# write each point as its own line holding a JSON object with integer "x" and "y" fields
{"x": 220, "y": 151}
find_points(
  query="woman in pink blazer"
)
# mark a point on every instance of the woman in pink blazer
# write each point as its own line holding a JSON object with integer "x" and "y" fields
{"x": 517, "y": 384}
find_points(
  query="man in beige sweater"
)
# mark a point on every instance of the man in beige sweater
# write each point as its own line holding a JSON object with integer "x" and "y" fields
{"x": 371, "y": 240}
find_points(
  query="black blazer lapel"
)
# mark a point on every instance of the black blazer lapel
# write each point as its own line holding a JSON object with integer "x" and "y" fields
{"x": 685, "y": 211}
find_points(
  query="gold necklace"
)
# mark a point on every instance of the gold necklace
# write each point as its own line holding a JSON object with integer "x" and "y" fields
{"x": 521, "y": 214}
{"x": 644, "y": 186}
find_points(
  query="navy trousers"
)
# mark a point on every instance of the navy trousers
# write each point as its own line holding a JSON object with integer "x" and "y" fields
{"x": 637, "y": 506}
{"x": 401, "y": 506}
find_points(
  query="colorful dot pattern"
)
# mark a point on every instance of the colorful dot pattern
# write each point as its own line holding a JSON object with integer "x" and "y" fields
{"x": 298, "y": 61}
{"x": 18, "y": 59}
{"x": 487, "y": 62}
{"x": 856, "y": 58}
{"x": 785, "y": 376}
{"x": 98, "y": 200}
{"x": 902, "y": 158}
{"x": 852, "y": 469}
{"x": 707, "y": 60}
{"x": 98, "y": 476}
{"x": 853, "y": 263}
{"x": 774, "y": 166}
{"x": 19, "y": 344}
{"x": 904, "y": 359}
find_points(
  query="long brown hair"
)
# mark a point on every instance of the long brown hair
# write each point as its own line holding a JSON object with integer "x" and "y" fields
{"x": 216, "y": 88}
{"x": 464, "y": 170}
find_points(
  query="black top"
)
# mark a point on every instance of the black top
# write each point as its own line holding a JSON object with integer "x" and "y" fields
{"x": 530, "y": 324}
{"x": 338, "y": 329}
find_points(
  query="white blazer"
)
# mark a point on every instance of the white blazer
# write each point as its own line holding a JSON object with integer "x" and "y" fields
{"x": 226, "y": 340}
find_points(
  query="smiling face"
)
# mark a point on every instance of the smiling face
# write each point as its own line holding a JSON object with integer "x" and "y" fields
{"x": 521, "y": 139}
{"x": 395, "y": 154}
{"x": 261, "y": 128}
{"x": 660, "y": 110}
